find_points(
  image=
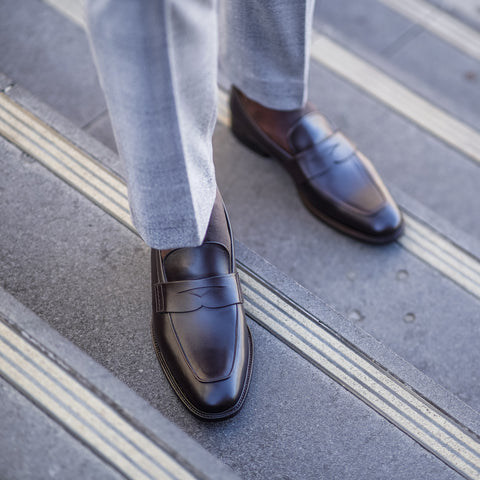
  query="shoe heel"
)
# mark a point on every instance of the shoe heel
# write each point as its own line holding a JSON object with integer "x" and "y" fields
{"x": 240, "y": 127}
{"x": 248, "y": 141}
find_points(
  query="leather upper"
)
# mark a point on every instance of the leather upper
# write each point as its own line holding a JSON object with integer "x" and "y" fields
{"x": 348, "y": 178}
{"x": 335, "y": 181}
{"x": 199, "y": 326}
{"x": 310, "y": 129}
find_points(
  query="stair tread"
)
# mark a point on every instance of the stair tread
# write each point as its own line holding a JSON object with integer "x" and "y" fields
{"x": 421, "y": 60}
{"x": 99, "y": 297}
{"x": 86, "y": 423}
{"x": 83, "y": 302}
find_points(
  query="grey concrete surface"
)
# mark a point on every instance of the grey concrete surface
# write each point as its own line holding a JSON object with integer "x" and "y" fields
{"x": 33, "y": 446}
{"x": 101, "y": 129}
{"x": 420, "y": 60}
{"x": 49, "y": 55}
{"x": 263, "y": 200}
{"x": 467, "y": 242}
{"x": 37, "y": 443}
{"x": 448, "y": 77}
{"x": 79, "y": 137}
{"x": 367, "y": 23}
{"x": 353, "y": 334}
{"x": 4, "y": 81}
{"x": 88, "y": 276}
{"x": 96, "y": 293}
{"x": 467, "y": 11}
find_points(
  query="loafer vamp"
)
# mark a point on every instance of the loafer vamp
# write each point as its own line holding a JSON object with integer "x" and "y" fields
{"x": 207, "y": 341}
{"x": 348, "y": 187}
{"x": 339, "y": 184}
{"x": 207, "y": 356}
{"x": 351, "y": 192}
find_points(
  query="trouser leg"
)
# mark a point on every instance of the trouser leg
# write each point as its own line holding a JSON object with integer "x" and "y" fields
{"x": 157, "y": 64}
{"x": 264, "y": 49}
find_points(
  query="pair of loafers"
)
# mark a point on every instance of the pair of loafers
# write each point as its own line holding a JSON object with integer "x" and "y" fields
{"x": 199, "y": 331}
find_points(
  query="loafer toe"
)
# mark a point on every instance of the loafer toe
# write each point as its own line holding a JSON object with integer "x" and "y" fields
{"x": 387, "y": 223}
{"x": 218, "y": 399}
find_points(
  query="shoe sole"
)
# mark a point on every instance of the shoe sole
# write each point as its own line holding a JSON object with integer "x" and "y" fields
{"x": 357, "y": 234}
{"x": 193, "y": 409}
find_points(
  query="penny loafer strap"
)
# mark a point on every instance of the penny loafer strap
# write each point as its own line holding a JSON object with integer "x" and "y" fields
{"x": 190, "y": 295}
{"x": 320, "y": 157}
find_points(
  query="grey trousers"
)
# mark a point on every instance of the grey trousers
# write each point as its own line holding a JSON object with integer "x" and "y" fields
{"x": 158, "y": 62}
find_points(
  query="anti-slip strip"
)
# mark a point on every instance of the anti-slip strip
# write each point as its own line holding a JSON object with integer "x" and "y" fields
{"x": 44, "y": 379}
{"x": 440, "y": 23}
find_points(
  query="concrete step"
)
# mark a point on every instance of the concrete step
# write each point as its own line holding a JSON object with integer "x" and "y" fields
{"x": 468, "y": 11}
{"x": 429, "y": 50}
{"x": 98, "y": 298}
{"x": 65, "y": 416}
{"x": 81, "y": 270}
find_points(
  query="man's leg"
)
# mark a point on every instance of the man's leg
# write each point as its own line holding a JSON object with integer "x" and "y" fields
{"x": 264, "y": 49}
{"x": 157, "y": 66}
{"x": 264, "y": 53}
{"x": 157, "y": 63}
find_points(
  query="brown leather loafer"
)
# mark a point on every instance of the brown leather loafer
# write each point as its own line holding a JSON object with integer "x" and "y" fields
{"x": 199, "y": 331}
{"x": 335, "y": 181}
